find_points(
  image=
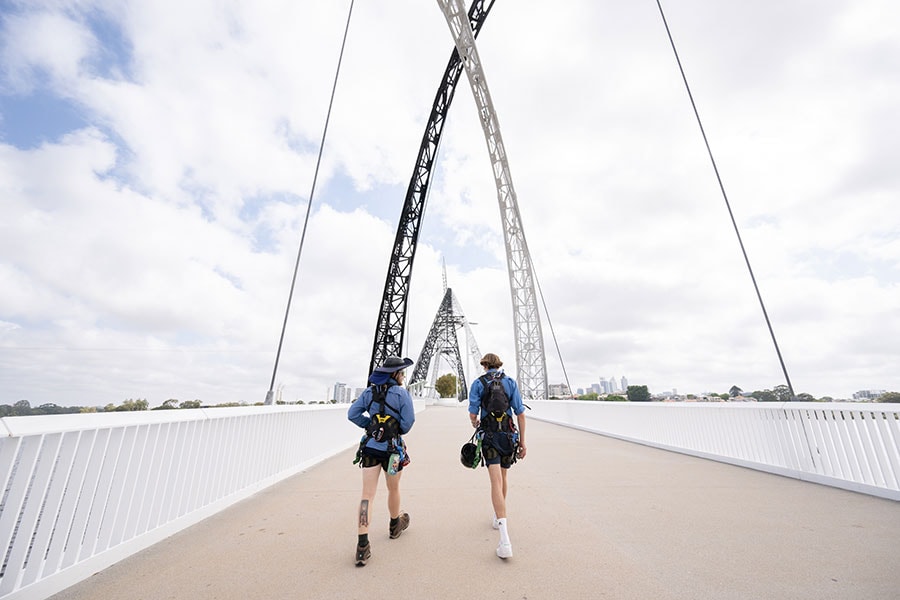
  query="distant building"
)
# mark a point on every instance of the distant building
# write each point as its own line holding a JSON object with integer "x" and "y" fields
{"x": 624, "y": 383}
{"x": 558, "y": 390}
{"x": 740, "y": 398}
{"x": 341, "y": 393}
{"x": 867, "y": 394}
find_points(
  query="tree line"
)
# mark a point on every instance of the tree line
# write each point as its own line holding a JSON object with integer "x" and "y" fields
{"x": 445, "y": 385}
{"x": 446, "y": 388}
{"x": 780, "y": 393}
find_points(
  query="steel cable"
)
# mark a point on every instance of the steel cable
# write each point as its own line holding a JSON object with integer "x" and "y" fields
{"x": 287, "y": 310}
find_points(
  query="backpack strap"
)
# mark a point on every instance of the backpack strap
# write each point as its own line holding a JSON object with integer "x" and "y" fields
{"x": 485, "y": 388}
{"x": 486, "y": 382}
{"x": 383, "y": 427}
{"x": 379, "y": 394}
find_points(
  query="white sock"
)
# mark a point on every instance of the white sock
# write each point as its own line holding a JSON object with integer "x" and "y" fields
{"x": 504, "y": 533}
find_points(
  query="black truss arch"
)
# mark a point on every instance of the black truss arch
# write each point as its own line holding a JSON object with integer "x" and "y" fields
{"x": 391, "y": 327}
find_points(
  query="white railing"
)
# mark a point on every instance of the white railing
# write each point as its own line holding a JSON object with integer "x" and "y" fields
{"x": 81, "y": 492}
{"x": 854, "y": 447}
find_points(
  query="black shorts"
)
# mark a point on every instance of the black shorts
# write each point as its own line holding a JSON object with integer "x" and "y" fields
{"x": 373, "y": 458}
{"x": 498, "y": 449}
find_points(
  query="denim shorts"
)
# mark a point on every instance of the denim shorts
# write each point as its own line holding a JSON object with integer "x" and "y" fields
{"x": 497, "y": 449}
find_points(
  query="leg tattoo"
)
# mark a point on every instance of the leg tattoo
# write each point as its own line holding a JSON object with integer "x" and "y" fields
{"x": 364, "y": 513}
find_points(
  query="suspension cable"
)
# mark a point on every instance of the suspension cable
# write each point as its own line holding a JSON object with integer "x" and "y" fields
{"x": 725, "y": 197}
{"x": 552, "y": 331}
{"x": 287, "y": 310}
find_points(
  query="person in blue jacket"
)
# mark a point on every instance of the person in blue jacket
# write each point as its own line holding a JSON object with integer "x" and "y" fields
{"x": 502, "y": 442}
{"x": 387, "y": 454}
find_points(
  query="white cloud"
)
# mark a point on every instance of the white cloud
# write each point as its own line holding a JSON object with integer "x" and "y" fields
{"x": 43, "y": 45}
{"x": 150, "y": 254}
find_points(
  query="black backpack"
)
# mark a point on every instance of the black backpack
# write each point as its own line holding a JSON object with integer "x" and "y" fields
{"x": 495, "y": 402}
{"x": 382, "y": 427}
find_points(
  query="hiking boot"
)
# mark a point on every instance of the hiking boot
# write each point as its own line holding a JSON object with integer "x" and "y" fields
{"x": 363, "y": 553}
{"x": 402, "y": 523}
{"x": 504, "y": 550}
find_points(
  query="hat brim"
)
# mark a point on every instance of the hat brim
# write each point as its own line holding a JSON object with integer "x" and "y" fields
{"x": 407, "y": 362}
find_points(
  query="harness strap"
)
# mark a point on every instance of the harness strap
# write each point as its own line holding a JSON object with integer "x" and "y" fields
{"x": 382, "y": 399}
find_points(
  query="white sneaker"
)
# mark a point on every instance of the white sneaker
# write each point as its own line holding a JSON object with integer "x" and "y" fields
{"x": 504, "y": 550}
{"x": 495, "y": 524}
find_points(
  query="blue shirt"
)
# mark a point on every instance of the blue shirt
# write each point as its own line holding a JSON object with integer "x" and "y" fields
{"x": 397, "y": 403}
{"x": 512, "y": 390}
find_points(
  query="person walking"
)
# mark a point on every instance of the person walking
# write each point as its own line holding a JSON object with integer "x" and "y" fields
{"x": 385, "y": 410}
{"x": 493, "y": 399}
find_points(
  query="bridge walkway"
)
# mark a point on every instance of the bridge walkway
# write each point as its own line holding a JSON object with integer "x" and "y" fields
{"x": 590, "y": 517}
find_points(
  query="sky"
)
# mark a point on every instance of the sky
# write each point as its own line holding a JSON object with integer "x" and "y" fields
{"x": 157, "y": 162}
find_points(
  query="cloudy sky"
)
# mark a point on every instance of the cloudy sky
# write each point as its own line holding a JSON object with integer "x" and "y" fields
{"x": 157, "y": 159}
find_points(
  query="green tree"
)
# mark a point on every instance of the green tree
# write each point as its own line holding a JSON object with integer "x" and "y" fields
{"x": 782, "y": 392}
{"x": 190, "y": 404}
{"x": 169, "y": 404}
{"x": 638, "y": 393}
{"x": 130, "y": 405}
{"x": 589, "y": 396}
{"x": 21, "y": 408}
{"x": 804, "y": 397}
{"x": 446, "y": 385}
{"x": 735, "y": 391}
{"x": 616, "y": 398}
{"x": 764, "y": 396}
{"x": 893, "y": 397}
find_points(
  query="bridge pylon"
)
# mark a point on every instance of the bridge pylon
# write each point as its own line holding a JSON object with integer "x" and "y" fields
{"x": 443, "y": 343}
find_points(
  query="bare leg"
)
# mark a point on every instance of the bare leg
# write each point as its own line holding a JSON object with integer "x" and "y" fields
{"x": 370, "y": 485}
{"x": 498, "y": 490}
{"x": 393, "y": 486}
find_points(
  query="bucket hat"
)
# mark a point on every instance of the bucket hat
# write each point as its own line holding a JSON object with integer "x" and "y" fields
{"x": 392, "y": 364}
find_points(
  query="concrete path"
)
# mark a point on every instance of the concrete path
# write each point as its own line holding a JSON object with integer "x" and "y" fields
{"x": 589, "y": 517}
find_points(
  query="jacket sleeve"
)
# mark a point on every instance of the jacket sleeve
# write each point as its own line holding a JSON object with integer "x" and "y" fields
{"x": 357, "y": 413}
{"x": 475, "y": 396}
{"x": 407, "y": 410}
{"x": 515, "y": 398}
